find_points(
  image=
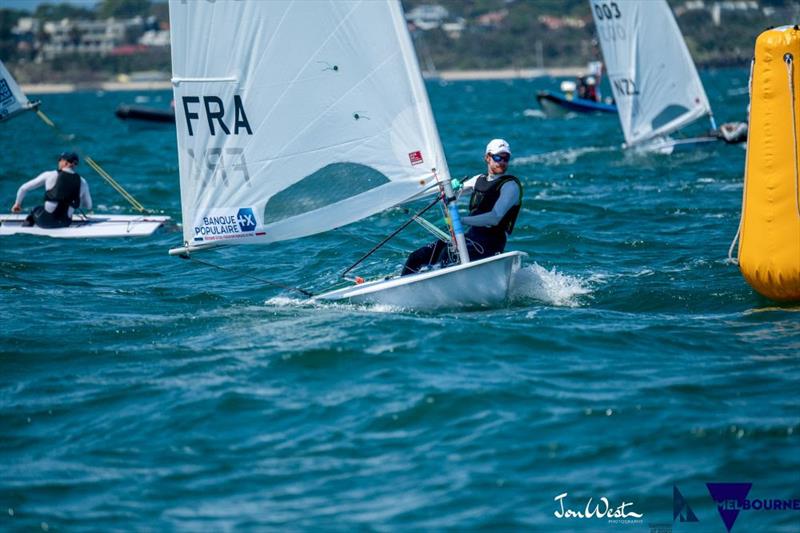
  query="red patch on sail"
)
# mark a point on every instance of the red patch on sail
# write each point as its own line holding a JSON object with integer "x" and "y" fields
{"x": 415, "y": 157}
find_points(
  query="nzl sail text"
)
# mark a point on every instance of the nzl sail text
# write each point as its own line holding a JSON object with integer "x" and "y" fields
{"x": 214, "y": 111}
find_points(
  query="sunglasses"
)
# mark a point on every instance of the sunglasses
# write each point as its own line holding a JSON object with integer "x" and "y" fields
{"x": 498, "y": 158}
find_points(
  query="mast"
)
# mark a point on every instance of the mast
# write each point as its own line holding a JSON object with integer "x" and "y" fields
{"x": 455, "y": 221}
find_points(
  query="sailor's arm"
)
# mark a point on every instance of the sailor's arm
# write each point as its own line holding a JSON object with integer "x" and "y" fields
{"x": 509, "y": 196}
{"x": 467, "y": 185}
{"x": 86, "y": 197}
{"x": 38, "y": 181}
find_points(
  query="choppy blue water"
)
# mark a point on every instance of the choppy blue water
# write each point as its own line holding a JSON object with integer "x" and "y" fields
{"x": 139, "y": 391}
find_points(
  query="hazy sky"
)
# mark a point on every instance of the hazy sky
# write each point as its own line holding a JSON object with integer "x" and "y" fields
{"x": 30, "y": 5}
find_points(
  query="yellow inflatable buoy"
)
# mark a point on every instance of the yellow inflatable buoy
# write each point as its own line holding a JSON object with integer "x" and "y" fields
{"x": 769, "y": 249}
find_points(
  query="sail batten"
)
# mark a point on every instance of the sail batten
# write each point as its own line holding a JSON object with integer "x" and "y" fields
{"x": 654, "y": 80}
{"x": 276, "y": 99}
{"x": 176, "y": 81}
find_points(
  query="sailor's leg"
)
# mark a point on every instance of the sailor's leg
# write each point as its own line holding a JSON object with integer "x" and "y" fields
{"x": 427, "y": 255}
{"x": 480, "y": 246}
{"x": 43, "y": 219}
{"x": 34, "y": 215}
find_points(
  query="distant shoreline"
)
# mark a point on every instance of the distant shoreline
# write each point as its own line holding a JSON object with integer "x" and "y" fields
{"x": 61, "y": 88}
{"x": 445, "y": 75}
{"x": 507, "y": 74}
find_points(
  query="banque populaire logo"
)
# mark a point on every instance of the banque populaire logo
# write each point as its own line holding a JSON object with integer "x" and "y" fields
{"x": 601, "y": 509}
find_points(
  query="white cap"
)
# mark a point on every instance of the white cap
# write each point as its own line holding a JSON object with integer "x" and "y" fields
{"x": 498, "y": 146}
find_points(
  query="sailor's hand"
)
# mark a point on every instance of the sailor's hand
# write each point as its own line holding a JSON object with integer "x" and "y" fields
{"x": 16, "y": 208}
{"x": 456, "y": 184}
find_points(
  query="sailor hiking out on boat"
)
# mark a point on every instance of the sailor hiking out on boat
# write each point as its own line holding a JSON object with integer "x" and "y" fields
{"x": 493, "y": 208}
{"x": 65, "y": 190}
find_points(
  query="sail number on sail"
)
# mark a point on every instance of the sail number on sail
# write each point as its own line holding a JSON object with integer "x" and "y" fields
{"x": 215, "y": 161}
{"x": 608, "y": 11}
{"x": 625, "y": 86}
{"x": 208, "y": 164}
{"x": 215, "y": 111}
{"x": 607, "y": 20}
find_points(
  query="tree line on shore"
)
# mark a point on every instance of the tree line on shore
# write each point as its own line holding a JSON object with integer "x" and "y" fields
{"x": 468, "y": 34}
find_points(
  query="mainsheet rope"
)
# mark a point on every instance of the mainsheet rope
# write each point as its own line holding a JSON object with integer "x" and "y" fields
{"x": 246, "y": 275}
{"x": 387, "y": 239}
{"x": 790, "y": 72}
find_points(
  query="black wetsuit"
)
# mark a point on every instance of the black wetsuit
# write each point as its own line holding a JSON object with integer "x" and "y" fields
{"x": 66, "y": 193}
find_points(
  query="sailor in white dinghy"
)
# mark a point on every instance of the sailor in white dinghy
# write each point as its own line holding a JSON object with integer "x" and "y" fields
{"x": 493, "y": 208}
{"x": 65, "y": 190}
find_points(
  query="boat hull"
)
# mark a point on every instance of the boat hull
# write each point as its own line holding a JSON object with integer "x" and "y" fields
{"x": 145, "y": 114}
{"x": 554, "y": 104}
{"x": 481, "y": 283}
{"x": 93, "y": 226}
{"x": 666, "y": 145}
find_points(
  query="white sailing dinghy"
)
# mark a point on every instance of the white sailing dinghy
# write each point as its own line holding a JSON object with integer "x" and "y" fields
{"x": 295, "y": 118}
{"x": 12, "y": 100}
{"x": 654, "y": 80}
{"x": 87, "y": 226}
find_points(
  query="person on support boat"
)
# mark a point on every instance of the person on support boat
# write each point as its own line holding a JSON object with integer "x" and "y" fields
{"x": 493, "y": 208}
{"x": 587, "y": 88}
{"x": 65, "y": 190}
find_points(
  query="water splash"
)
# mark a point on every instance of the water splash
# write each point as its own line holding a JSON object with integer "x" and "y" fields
{"x": 567, "y": 156}
{"x": 536, "y": 282}
{"x": 534, "y": 113}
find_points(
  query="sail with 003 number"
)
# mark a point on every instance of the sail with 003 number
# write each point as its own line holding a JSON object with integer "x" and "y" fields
{"x": 654, "y": 80}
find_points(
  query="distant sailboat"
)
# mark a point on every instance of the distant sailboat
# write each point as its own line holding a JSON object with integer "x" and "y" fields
{"x": 295, "y": 118}
{"x": 87, "y": 226}
{"x": 12, "y": 100}
{"x": 655, "y": 83}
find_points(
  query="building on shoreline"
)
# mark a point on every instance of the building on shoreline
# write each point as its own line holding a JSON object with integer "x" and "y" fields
{"x": 48, "y": 40}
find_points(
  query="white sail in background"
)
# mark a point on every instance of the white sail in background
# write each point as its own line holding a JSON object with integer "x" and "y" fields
{"x": 654, "y": 80}
{"x": 12, "y": 100}
{"x": 296, "y": 117}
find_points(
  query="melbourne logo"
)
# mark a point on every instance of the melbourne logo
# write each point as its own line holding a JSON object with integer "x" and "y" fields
{"x": 246, "y": 219}
{"x": 681, "y": 508}
{"x": 602, "y": 509}
{"x": 731, "y": 499}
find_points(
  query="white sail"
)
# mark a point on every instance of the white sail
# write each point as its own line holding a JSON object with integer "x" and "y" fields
{"x": 12, "y": 100}
{"x": 296, "y": 117}
{"x": 654, "y": 80}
